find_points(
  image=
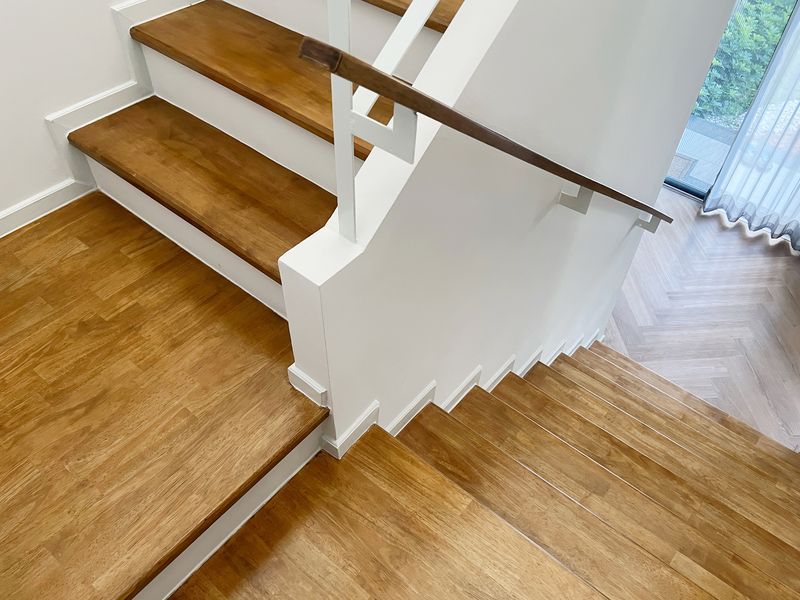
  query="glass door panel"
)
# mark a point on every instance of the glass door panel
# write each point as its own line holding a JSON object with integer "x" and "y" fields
{"x": 739, "y": 65}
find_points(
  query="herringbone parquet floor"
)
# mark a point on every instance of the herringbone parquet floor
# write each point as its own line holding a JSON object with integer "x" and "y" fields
{"x": 718, "y": 313}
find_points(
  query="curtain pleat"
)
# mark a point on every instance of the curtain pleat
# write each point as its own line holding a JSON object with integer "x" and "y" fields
{"x": 760, "y": 180}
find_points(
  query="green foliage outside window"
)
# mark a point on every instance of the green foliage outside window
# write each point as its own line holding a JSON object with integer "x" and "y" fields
{"x": 742, "y": 59}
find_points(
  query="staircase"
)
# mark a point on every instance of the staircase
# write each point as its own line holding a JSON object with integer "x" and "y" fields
{"x": 540, "y": 489}
{"x": 148, "y": 414}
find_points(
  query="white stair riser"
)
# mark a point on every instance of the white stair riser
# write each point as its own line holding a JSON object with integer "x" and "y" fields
{"x": 273, "y": 136}
{"x": 263, "y": 288}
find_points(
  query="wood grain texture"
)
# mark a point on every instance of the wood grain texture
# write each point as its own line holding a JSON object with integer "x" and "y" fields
{"x": 704, "y": 474}
{"x": 253, "y": 57}
{"x": 715, "y": 567}
{"x": 440, "y": 19}
{"x": 379, "y": 524}
{"x": 766, "y": 444}
{"x": 364, "y": 74}
{"x": 252, "y": 206}
{"x": 696, "y": 506}
{"x": 749, "y": 454}
{"x": 607, "y": 560}
{"x": 715, "y": 457}
{"x": 717, "y": 312}
{"x": 142, "y": 395}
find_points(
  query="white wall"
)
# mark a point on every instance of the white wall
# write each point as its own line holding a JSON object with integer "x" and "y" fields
{"x": 466, "y": 260}
{"x": 55, "y": 53}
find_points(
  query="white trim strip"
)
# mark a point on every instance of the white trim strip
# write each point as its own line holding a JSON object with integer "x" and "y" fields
{"x": 339, "y": 447}
{"x": 43, "y": 203}
{"x": 421, "y": 401}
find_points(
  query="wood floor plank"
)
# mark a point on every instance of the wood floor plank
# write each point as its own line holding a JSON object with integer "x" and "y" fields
{"x": 717, "y": 521}
{"x": 253, "y": 57}
{"x": 723, "y": 484}
{"x": 608, "y": 561}
{"x": 440, "y": 19}
{"x": 783, "y": 474}
{"x": 379, "y": 524}
{"x": 715, "y": 567}
{"x": 149, "y": 395}
{"x": 254, "y": 207}
{"x": 716, "y": 311}
{"x": 744, "y": 431}
{"x": 714, "y": 456}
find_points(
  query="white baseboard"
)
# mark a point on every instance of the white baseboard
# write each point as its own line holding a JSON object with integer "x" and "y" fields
{"x": 339, "y": 447}
{"x": 223, "y": 261}
{"x": 43, "y": 203}
{"x": 212, "y": 539}
{"x": 306, "y": 385}
{"x": 549, "y": 357}
{"x": 62, "y": 122}
{"x": 573, "y": 347}
{"x": 461, "y": 392}
{"x": 500, "y": 375}
{"x": 592, "y": 338}
{"x": 530, "y": 363}
{"x": 421, "y": 401}
{"x": 88, "y": 111}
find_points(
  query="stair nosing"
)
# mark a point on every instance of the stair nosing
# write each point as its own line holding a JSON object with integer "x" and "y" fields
{"x": 281, "y": 109}
{"x": 230, "y": 500}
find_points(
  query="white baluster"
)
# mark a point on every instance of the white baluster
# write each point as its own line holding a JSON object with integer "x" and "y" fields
{"x": 344, "y": 143}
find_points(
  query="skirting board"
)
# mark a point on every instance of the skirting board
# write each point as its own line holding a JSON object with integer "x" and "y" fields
{"x": 37, "y": 206}
{"x": 462, "y": 390}
{"x": 551, "y": 356}
{"x": 61, "y": 123}
{"x": 223, "y": 261}
{"x": 571, "y": 349}
{"x": 339, "y": 447}
{"x": 212, "y": 539}
{"x": 531, "y": 362}
{"x": 498, "y": 377}
{"x": 306, "y": 385}
{"x": 420, "y": 402}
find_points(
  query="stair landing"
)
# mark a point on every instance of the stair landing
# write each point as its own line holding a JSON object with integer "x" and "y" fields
{"x": 607, "y": 505}
{"x": 142, "y": 395}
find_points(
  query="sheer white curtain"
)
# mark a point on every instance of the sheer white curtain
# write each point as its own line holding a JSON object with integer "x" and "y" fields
{"x": 760, "y": 181}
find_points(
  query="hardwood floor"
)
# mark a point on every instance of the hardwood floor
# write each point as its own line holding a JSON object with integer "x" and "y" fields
{"x": 251, "y": 205}
{"x": 717, "y": 313}
{"x": 609, "y": 561}
{"x": 540, "y": 489}
{"x": 142, "y": 394}
{"x": 253, "y": 57}
{"x": 379, "y": 524}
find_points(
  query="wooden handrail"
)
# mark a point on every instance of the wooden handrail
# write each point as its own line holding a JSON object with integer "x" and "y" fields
{"x": 361, "y": 73}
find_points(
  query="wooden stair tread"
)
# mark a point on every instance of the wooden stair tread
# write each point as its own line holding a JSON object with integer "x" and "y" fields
{"x": 714, "y": 456}
{"x": 253, "y": 57}
{"x": 143, "y": 394}
{"x": 440, "y": 19}
{"x": 695, "y": 504}
{"x": 714, "y": 477}
{"x": 252, "y": 206}
{"x": 607, "y": 560}
{"x": 693, "y": 402}
{"x": 751, "y": 455}
{"x": 380, "y": 523}
{"x": 712, "y": 560}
